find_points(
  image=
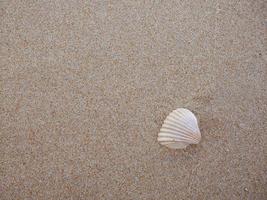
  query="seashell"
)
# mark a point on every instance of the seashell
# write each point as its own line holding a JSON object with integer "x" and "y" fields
{"x": 179, "y": 129}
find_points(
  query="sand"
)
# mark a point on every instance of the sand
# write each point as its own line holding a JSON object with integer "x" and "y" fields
{"x": 86, "y": 85}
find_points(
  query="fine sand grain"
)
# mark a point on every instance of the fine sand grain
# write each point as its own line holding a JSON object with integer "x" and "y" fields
{"x": 86, "y": 85}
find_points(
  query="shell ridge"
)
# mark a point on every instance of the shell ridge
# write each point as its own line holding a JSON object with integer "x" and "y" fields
{"x": 185, "y": 120}
{"x": 175, "y": 139}
{"x": 171, "y": 134}
{"x": 182, "y": 125}
{"x": 179, "y": 129}
{"x": 175, "y": 132}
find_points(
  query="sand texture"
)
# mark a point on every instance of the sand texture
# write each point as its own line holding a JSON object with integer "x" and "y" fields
{"x": 85, "y": 87}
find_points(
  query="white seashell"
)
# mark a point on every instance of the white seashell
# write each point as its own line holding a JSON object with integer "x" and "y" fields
{"x": 179, "y": 129}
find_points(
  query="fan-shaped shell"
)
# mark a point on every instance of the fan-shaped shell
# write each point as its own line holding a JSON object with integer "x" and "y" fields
{"x": 179, "y": 129}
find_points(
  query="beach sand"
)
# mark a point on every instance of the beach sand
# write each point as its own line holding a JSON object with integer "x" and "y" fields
{"x": 86, "y": 86}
